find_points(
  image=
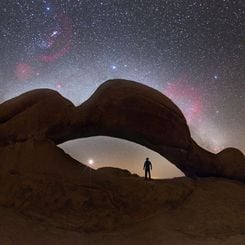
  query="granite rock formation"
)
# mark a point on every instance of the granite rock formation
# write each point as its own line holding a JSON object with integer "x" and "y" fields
{"x": 47, "y": 197}
{"x": 122, "y": 109}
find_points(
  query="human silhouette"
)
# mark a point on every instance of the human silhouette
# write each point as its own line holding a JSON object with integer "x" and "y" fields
{"x": 147, "y": 167}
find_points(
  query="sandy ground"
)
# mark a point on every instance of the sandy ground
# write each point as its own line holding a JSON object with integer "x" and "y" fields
{"x": 16, "y": 228}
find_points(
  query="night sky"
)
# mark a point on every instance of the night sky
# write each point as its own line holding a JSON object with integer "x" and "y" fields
{"x": 192, "y": 51}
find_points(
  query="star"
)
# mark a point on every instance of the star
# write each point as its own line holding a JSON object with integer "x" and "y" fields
{"x": 114, "y": 67}
{"x": 54, "y": 33}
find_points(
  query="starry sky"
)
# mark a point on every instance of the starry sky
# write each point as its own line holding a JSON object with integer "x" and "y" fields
{"x": 192, "y": 51}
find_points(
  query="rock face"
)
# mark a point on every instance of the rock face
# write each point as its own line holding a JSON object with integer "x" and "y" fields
{"x": 112, "y": 206}
{"x": 64, "y": 202}
{"x": 122, "y": 109}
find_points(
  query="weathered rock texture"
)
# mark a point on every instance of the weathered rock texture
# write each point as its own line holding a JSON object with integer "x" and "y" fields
{"x": 122, "y": 109}
{"x": 112, "y": 206}
{"x": 45, "y": 196}
{"x": 122, "y": 209}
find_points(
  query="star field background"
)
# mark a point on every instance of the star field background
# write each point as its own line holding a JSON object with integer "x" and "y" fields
{"x": 192, "y": 51}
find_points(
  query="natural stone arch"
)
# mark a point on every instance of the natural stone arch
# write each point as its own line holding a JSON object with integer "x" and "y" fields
{"x": 109, "y": 152}
{"x": 122, "y": 109}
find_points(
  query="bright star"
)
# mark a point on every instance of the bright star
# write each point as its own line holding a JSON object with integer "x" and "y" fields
{"x": 54, "y": 33}
{"x": 113, "y": 67}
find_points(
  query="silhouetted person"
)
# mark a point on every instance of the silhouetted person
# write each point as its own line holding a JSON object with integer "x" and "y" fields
{"x": 147, "y": 167}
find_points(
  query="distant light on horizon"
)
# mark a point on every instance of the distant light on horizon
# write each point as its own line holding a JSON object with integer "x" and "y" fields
{"x": 119, "y": 153}
{"x": 91, "y": 162}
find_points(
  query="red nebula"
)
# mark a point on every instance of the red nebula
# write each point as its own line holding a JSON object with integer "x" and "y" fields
{"x": 186, "y": 97}
{"x": 23, "y": 71}
{"x": 59, "y": 45}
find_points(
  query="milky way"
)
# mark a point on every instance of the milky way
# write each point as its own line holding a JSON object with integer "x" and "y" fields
{"x": 192, "y": 51}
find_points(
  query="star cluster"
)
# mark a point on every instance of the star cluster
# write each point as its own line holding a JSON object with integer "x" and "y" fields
{"x": 192, "y": 51}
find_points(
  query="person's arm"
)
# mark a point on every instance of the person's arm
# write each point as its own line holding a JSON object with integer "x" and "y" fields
{"x": 151, "y": 166}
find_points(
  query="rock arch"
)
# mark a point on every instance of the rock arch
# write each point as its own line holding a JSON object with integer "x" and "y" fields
{"x": 118, "y": 108}
{"x": 104, "y": 151}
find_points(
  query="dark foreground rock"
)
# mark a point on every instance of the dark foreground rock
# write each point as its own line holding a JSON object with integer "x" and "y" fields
{"x": 56, "y": 200}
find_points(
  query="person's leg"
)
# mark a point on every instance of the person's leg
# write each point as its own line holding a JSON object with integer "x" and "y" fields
{"x": 149, "y": 174}
{"x": 145, "y": 174}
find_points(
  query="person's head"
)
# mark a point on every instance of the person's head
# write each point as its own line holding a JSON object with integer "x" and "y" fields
{"x": 147, "y": 159}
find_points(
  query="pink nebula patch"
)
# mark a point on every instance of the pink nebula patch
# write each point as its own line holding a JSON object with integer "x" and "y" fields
{"x": 187, "y": 98}
{"x": 60, "y": 45}
{"x": 23, "y": 71}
